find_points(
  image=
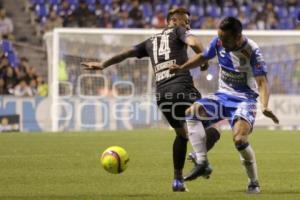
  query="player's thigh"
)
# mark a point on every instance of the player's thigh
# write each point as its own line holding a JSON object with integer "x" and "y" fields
{"x": 178, "y": 115}
{"x": 241, "y": 130}
{"x": 242, "y": 120}
{"x": 174, "y": 114}
{"x": 206, "y": 109}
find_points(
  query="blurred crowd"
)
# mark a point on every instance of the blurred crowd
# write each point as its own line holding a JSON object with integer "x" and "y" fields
{"x": 205, "y": 14}
{"x": 6, "y": 24}
{"x": 17, "y": 76}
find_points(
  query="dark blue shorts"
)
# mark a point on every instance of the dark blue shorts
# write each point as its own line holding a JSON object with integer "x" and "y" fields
{"x": 221, "y": 106}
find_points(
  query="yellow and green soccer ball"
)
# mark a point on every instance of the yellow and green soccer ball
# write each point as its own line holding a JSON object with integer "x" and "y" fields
{"x": 114, "y": 159}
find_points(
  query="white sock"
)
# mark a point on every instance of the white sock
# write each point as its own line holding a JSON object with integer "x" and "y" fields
{"x": 197, "y": 138}
{"x": 247, "y": 157}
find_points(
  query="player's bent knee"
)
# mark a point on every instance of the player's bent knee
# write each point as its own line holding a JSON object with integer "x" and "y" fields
{"x": 195, "y": 110}
{"x": 241, "y": 131}
{"x": 240, "y": 141}
{"x": 192, "y": 110}
{"x": 241, "y": 127}
{"x": 188, "y": 112}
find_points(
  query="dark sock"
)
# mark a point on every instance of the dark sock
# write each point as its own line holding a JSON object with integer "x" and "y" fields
{"x": 242, "y": 146}
{"x": 179, "y": 152}
{"x": 212, "y": 136}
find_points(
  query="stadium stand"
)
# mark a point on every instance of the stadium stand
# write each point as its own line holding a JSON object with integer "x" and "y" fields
{"x": 22, "y": 31}
{"x": 273, "y": 14}
{"x": 18, "y": 77}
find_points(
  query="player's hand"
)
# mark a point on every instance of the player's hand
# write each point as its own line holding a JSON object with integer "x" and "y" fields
{"x": 92, "y": 65}
{"x": 268, "y": 113}
{"x": 174, "y": 68}
{"x": 204, "y": 67}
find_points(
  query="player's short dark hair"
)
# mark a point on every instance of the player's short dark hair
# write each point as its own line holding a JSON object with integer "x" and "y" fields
{"x": 231, "y": 24}
{"x": 181, "y": 10}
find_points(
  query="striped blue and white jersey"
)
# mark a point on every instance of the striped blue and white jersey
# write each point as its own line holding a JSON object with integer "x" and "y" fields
{"x": 238, "y": 68}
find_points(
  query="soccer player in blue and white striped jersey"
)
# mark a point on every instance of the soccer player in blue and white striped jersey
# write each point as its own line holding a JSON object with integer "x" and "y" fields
{"x": 243, "y": 78}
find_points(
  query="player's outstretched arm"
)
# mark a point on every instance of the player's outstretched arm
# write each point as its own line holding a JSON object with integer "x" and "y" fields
{"x": 264, "y": 94}
{"x": 197, "y": 47}
{"x": 194, "y": 43}
{"x": 111, "y": 61}
{"x": 193, "y": 62}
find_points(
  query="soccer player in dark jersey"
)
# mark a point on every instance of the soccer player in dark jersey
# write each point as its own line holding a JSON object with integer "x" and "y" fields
{"x": 174, "y": 92}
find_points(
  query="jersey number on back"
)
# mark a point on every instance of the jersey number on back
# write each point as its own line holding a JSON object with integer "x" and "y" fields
{"x": 164, "y": 48}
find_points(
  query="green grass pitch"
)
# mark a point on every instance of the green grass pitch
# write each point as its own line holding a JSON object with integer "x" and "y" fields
{"x": 67, "y": 166}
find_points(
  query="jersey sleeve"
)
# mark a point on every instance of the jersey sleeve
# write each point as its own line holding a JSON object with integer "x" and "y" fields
{"x": 210, "y": 51}
{"x": 182, "y": 33}
{"x": 141, "y": 50}
{"x": 257, "y": 63}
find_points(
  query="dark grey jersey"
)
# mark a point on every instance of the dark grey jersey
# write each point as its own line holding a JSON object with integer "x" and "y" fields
{"x": 164, "y": 49}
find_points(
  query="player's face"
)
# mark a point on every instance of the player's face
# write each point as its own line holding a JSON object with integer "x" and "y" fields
{"x": 181, "y": 20}
{"x": 229, "y": 41}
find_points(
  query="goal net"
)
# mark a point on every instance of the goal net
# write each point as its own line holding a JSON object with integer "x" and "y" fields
{"x": 122, "y": 96}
